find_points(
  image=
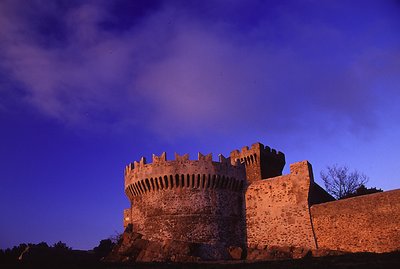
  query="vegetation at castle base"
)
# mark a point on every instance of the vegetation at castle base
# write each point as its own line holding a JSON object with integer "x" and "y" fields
{"x": 349, "y": 261}
{"x": 55, "y": 256}
{"x": 342, "y": 183}
{"x": 61, "y": 256}
{"x": 104, "y": 248}
{"x": 28, "y": 255}
{"x": 36, "y": 251}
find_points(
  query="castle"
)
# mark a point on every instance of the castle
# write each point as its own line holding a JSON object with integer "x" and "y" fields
{"x": 243, "y": 201}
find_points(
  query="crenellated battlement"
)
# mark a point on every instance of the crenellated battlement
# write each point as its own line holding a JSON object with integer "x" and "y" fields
{"x": 243, "y": 202}
{"x": 245, "y": 153}
{"x": 163, "y": 174}
{"x": 261, "y": 161}
{"x": 162, "y": 160}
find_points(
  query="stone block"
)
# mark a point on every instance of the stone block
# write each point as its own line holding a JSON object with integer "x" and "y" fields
{"x": 235, "y": 252}
{"x": 140, "y": 243}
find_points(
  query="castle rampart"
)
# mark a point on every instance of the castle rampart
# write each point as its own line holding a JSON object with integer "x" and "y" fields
{"x": 261, "y": 162}
{"x": 277, "y": 210}
{"x": 245, "y": 201}
{"x": 142, "y": 178}
{"x": 198, "y": 201}
{"x": 364, "y": 223}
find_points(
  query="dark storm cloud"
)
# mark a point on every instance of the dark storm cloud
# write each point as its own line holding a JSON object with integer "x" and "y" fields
{"x": 183, "y": 67}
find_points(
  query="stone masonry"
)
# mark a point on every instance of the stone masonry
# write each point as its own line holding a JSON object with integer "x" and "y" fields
{"x": 244, "y": 202}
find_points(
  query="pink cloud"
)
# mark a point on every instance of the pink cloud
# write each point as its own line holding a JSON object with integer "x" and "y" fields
{"x": 186, "y": 74}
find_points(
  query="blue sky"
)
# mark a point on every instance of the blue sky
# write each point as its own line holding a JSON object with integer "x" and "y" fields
{"x": 89, "y": 86}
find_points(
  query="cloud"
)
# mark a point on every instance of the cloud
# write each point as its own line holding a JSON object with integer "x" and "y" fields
{"x": 174, "y": 70}
{"x": 86, "y": 74}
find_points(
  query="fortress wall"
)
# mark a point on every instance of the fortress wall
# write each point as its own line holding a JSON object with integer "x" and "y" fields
{"x": 364, "y": 223}
{"x": 190, "y": 214}
{"x": 127, "y": 216}
{"x": 277, "y": 211}
{"x": 261, "y": 162}
{"x": 160, "y": 167}
{"x": 194, "y": 201}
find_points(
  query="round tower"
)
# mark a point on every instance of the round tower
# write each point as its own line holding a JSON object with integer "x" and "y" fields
{"x": 199, "y": 201}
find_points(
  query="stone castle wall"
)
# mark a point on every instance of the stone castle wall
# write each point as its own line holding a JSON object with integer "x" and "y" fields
{"x": 244, "y": 201}
{"x": 364, "y": 223}
{"x": 193, "y": 201}
{"x": 261, "y": 161}
{"x": 277, "y": 211}
{"x": 190, "y": 215}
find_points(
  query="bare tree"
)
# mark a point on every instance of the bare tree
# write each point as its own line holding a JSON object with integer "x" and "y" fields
{"x": 340, "y": 182}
